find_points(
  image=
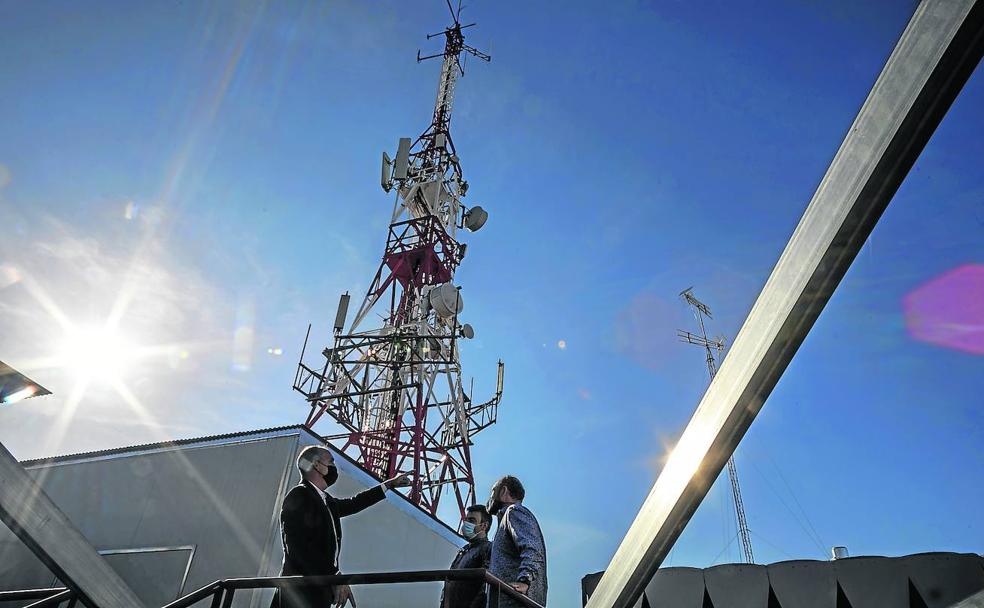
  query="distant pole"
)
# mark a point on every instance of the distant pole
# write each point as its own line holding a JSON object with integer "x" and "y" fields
{"x": 710, "y": 345}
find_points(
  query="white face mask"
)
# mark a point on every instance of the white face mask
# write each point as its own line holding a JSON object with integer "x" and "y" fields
{"x": 468, "y": 529}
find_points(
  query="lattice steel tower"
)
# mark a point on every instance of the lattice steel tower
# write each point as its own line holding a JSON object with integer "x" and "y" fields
{"x": 700, "y": 311}
{"x": 396, "y": 387}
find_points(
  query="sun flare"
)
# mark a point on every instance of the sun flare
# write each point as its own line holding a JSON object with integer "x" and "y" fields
{"x": 99, "y": 354}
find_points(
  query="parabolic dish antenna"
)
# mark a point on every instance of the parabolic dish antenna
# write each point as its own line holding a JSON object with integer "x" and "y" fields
{"x": 445, "y": 299}
{"x": 475, "y": 218}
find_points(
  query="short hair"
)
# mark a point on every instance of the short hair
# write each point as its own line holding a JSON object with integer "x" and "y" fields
{"x": 483, "y": 513}
{"x": 305, "y": 460}
{"x": 515, "y": 486}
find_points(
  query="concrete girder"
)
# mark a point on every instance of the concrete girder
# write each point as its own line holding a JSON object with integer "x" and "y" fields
{"x": 974, "y": 601}
{"x": 52, "y": 537}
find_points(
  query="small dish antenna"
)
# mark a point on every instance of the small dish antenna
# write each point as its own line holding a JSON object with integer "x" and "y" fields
{"x": 475, "y": 218}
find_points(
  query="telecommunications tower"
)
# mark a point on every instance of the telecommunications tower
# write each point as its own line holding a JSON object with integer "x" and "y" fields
{"x": 393, "y": 380}
{"x": 710, "y": 345}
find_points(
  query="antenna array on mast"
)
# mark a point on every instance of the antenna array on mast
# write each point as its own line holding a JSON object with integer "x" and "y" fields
{"x": 712, "y": 345}
{"x": 396, "y": 388}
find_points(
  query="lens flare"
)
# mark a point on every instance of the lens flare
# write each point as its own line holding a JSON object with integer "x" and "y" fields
{"x": 947, "y": 310}
{"x": 20, "y": 395}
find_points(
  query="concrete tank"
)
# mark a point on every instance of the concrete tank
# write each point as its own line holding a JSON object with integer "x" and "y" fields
{"x": 924, "y": 580}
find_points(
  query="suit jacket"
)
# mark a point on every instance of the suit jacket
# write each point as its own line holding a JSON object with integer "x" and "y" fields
{"x": 467, "y": 594}
{"x": 312, "y": 536}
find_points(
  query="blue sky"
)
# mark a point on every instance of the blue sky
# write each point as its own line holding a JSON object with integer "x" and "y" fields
{"x": 218, "y": 162}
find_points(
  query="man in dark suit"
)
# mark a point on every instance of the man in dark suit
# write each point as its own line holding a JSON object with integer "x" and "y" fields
{"x": 312, "y": 531}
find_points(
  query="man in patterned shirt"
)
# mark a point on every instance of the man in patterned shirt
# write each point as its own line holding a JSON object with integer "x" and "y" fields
{"x": 468, "y": 594}
{"x": 519, "y": 554}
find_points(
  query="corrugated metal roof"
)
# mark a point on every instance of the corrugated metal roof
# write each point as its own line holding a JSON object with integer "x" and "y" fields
{"x": 164, "y": 444}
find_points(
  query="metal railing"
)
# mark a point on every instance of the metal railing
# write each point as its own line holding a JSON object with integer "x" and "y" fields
{"x": 49, "y": 597}
{"x": 223, "y": 592}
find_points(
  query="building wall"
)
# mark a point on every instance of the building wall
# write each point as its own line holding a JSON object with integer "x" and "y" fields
{"x": 171, "y": 519}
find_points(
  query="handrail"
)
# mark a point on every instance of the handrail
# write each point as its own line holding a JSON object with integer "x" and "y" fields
{"x": 222, "y": 590}
{"x": 29, "y": 594}
{"x": 196, "y": 596}
{"x": 55, "y": 600}
{"x": 49, "y": 596}
{"x": 500, "y": 585}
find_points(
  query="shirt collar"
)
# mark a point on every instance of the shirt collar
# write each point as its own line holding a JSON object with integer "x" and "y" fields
{"x": 322, "y": 494}
{"x": 502, "y": 511}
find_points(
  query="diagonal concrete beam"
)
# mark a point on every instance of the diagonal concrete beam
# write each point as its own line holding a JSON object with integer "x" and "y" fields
{"x": 46, "y": 531}
{"x": 935, "y": 56}
{"x": 974, "y": 601}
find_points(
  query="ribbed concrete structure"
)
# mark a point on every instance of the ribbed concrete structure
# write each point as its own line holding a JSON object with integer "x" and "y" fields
{"x": 925, "y": 580}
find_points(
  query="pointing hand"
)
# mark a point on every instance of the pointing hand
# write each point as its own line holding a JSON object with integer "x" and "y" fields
{"x": 400, "y": 481}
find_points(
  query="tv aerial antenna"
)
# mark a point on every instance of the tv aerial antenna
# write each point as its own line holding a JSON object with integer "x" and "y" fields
{"x": 455, "y": 41}
{"x": 712, "y": 345}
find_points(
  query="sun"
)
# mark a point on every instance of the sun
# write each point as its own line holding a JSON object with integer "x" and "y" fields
{"x": 96, "y": 354}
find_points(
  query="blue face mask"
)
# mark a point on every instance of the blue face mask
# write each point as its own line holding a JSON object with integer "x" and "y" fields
{"x": 468, "y": 529}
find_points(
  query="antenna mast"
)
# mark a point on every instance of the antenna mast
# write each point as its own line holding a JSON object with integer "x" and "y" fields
{"x": 396, "y": 387}
{"x": 710, "y": 345}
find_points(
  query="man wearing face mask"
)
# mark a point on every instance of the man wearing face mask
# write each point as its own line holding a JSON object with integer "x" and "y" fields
{"x": 312, "y": 531}
{"x": 519, "y": 553}
{"x": 475, "y": 528}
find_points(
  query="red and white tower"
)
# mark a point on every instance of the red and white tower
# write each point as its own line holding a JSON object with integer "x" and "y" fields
{"x": 396, "y": 387}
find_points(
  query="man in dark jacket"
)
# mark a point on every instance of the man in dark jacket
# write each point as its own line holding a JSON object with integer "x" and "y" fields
{"x": 311, "y": 528}
{"x": 475, "y": 528}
